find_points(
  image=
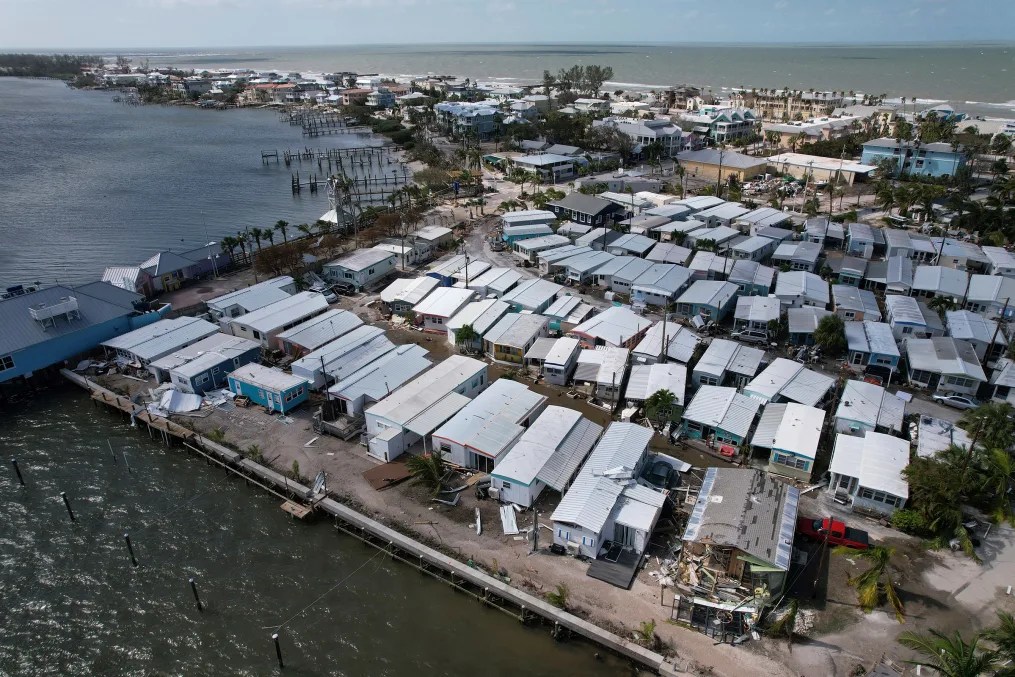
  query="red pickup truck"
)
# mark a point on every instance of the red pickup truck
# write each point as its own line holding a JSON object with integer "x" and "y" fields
{"x": 833, "y": 531}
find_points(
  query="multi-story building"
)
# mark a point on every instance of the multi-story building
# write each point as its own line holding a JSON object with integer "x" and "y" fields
{"x": 912, "y": 157}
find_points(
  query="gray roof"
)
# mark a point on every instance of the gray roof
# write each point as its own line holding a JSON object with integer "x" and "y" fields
{"x": 751, "y": 272}
{"x": 385, "y": 374}
{"x": 711, "y": 156}
{"x": 541, "y": 348}
{"x": 667, "y": 252}
{"x": 315, "y": 332}
{"x": 805, "y": 320}
{"x": 748, "y": 510}
{"x": 681, "y": 345}
{"x": 532, "y": 293}
{"x": 723, "y": 355}
{"x": 515, "y": 329}
{"x": 848, "y": 297}
{"x": 723, "y": 408}
{"x": 890, "y": 143}
{"x": 165, "y": 262}
{"x": 551, "y": 449}
{"x": 633, "y": 242}
{"x": 663, "y": 278}
{"x": 18, "y": 330}
{"x": 944, "y": 355}
{"x": 709, "y": 292}
{"x": 585, "y": 204}
{"x": 647, "y": 379}
{"x": 491, "y": 422}
{"x": 871, "y": 405}
{"x": 162, "y": 337}
{"x": 254, "y": 297}
{"x": 871, "y": 337}
{"x": 361, "y": 259}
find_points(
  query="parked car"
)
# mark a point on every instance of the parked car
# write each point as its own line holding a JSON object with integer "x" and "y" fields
{"x": 662, "y": 475}
{"x": 750, "y": 336}
{"x": 957, "y": 401}
{"x": 832, "y": 531}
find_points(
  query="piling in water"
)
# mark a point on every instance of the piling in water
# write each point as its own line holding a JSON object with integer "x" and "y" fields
{"x": 278, "y": 651}
{"x": 17, "y": 471}
{"x": 197, "y": 598}
{"x": 66, "y": 502}
{"x": 130, "y": 549}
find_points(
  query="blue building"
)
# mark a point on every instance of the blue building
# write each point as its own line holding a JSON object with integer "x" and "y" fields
{"x": 53, "y": 325}
{"x": 872, "y": 344}
{"x": 912, "y": 157}
{"x": 204, "y": 365}
{"x": 273, "y": 389}
{"x": 708, "y": 299}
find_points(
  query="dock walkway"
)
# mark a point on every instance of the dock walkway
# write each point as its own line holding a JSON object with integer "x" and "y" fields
{"x": 484, "y": 587}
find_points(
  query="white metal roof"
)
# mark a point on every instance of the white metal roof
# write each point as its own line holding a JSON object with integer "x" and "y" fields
{"x": 871, "y": 337}
{"x": 540, "y": 348}
{"x": 437, "y": 413}
{"x": 528, "y": 215}
{"x": 633, "y": 242}
{"x": 796, "y": 283}
{"x": 941, "y": 280}
{"x": 472, "y": 270}
{"x": 334, "y": 351}
{"x": 663, "y": 278}
{"x": 944, "y": 355}
{"x": 480, "y": 314}
{"x": 385, "y": 374}
{"x": 515, "y": 329}
{"x": 594, "y": 494}
{"x": 444, "y": 301}
{"x": 614, "y": 326}
{"x": 647, "y": 379}
{"x": 800, "y": 430}
{"x": 162, "y": 337}
{"x": 728, "y": 211}
{"x": 991, "y": 288}
{"x": 496, "y": 279}
{"x": 999, "y": 257}
{"x": 605, "y": 366}
{"x": 805, "y": 320}
{"x": 790, "y": 380}
{"x": 448, "y": 265}
{"x": 848, "y": 297}
{"x": 722, "y": 354}
{"x": 586, "y": 263}
{"x": 712, "y": 293}
{"x": 361, "y": 259}
{"x": 667, "y": 252}
{"x": 724, "y": 408}
{"x": 561, "y": 253}
{"x": 255, "y": 296}
{"x": 281, "y": 313}
{"x": 562, "y": 351}
{"x": 758, "y": 308}
{"x": 531, "y": 294}
{"x": 876, "y": 460}
{"x": 315, "y": 332}
{"x": 124, "y": 277}
{"x": 768, "y": 425}
{"x": 753, "y": 244}
{"x": 208, "y": 352}
{"x": 681, "y": 342}
{"x": 268, "y": 378}
{"x": 550, "y": 450}
{"x": 970, "y": 326}
{"x": 432, "y": 233}
{"x": 871, "y": 405}
{"x": 491, "y": 422}
{"x": 904, "y": 309}
{"x": 409, "y": 290}
{"x": 536, "y": 244}
{"x": 563, "y": 307}
{"x": 934, "y": 435}
{"x": 425, "y": 390}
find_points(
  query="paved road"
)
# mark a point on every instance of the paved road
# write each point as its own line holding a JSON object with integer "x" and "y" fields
{"x": 925, "y": 406}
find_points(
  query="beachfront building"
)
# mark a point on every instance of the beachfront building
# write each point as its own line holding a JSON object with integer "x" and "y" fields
{"x": 910, "y": 157}
{"x": 742, "y": 525}
{"x": 727, "y": 363}
{"x": 866, "y": 473}
{"x": 203, "y": 366}
{"x": 586, "y": 209}
{"x": 411, "y": 413}
{"x": 721, "y": 416}
{"x": 337, "y": 359}
{"x": 491, "y": 423}
{"x": 247, "y": 300}
{"x": 707, "y": 300}
{"x": 361, "y": 269}
{"x": 376, "y": 380}
{"x": 789, "y": 381}
{"x": 46, "y": 327}
{"x": 944, "y": 364}
{"x": 614, "y": 327}
{"x": 264, "y": 325}
{"x": 669, "y": 138}
{"x": 141, "y": 346}
{"x": 605, "y": 503}
{"x": 548, "y": 454}
{"x": 273, "y": 389}
{"x": 508, "y": 340}
{"x": 790, "y": 432}
{"x": 865, "y": 407}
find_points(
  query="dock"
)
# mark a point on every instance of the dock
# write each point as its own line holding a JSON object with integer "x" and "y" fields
{"x": 486, "y": 589}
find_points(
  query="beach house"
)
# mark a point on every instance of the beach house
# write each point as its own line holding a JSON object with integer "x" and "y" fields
{"x": 361, "y": 269}
{"x": 266, "y": 324}
{"x": 141, "y": 346}
{"x": 271, "y": 388}
{"x": 376, "y": 380}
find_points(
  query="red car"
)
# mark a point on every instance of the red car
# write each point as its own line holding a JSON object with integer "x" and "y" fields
{"x": 832, "y": 532}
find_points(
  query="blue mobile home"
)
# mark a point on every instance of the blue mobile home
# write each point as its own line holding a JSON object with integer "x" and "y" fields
{"x": 204, "y": 365}
{"x": 273, "y": 389}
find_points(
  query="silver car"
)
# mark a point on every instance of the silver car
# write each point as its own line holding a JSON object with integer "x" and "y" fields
{"x": 750, "y": 336}
{"x": 957, "y": 401}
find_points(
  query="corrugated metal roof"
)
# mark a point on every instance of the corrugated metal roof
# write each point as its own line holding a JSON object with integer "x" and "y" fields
{"x": 805, "y": 320}
{"x": 941, "y": 280}
{"x": 747, "y": 510}
{"x": 422, "y": 392}
{"x": 334, "y": 351}
{"x": 540, "y": 243}
{"x": 876, "y": 460}
{"x": 426, "y": 421}
{"x": 624, "y": 268}
{"x": 682, "y": 342}
{"x": 583, "y": 264}
{"x": 124, "y": 277}
{"x": 871, "y": 337}
{"x": 385, "y": 374}
{"x": 268, "y": 378}
{"x": 758, "y": 309}
{"x": 562, "y": 307}
{"x": 848, "y": 297}
{"x": 647, "y": 379}
{"x": 709, "y": 292}
{"x": 319, "y": 330}
{"x": 871, "y": 405}
{"x": 444, "y": 301}
{"x": 496, "y": 279}
{"x": 791, "y": 380}
{"x": 540, "y": 349}
{"x": 531, "y": 294}
{"x": 562, "y": 350}
{"x": 667, "y": 252}
{"x": 162, "y": 337}
{"x": 491, "y": 422}
{"x": 970, "y": 326}
{"x": 253, "y": 297}
{"x": 796, "y": 283}
{"x": 361, "y": 259}
{"x": 409, "y": 290}
{"x": 480, "y": 314}
{"x": 281, "y": 313}
{"x": 561, "y": 253}
{"x": 447, "y": 266}
{"x": 472, "y": 271}
{"x": 569, "y": 453}
{"x": 633, "y": 242}
{"x": 206, "y": 353}
{"x": 614, "y": 326}
{"x": 515, "y": 329}
{"x": 165, "y": 262}
{"x": 944, "y": 355}
{"x": 610, "y": 366}
{"x": 664, "y": 278}
{"x": 724, "y": 408}
{"x": 768, "y": 424}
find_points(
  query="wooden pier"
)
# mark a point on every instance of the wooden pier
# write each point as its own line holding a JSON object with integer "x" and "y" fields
{"x": 486, "y": 589}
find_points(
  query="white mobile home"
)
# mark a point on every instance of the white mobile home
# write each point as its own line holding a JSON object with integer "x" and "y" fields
{"x": 481, "y": 316}
{"x": 315, "y": 332}
{"x": 727, "y": 363}
{"x": 147, "y": 344}
{"x": 373, "y": 382}
{"x": 247, "y": 300}
{"x": 441, "y": 305}
{"x": 362, "y": 268}
{"x": 265, "y": 324}
{"x": 561, "y": 361}
{"x": 866, "y": 407}
{"x": 332, "y": 361}
{"x": 648, "y": 379}
{"x": 788, "y": 381}
{"x": 866, "y": 472}
{"x": 513, "y": 335}
{"x": 405, "y": 292}
{"x": 548, "y": 454}
{"x": 604, "y": 370}
{"x": 791, "y": 433}
{"x": 411, "y": 413}
{"x": 681, "y": 343}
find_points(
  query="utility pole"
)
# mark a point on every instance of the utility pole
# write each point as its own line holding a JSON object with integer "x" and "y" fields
{"x": 997, "y": 330}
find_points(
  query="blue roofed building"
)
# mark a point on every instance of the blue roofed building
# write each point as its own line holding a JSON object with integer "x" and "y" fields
{"x": 50, "y": 326}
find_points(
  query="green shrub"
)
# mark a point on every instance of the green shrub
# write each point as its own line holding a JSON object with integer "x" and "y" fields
{"x": 911, "y": 522}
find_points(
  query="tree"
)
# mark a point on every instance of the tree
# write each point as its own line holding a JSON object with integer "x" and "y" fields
{"x": 558, "y": 597}
{"x": 942, "y": 304}
{"x": 875, "y": 584}
{"x": 306, "y": 229}
{"x": 830, "y": 335}
{"x": 661, "y": 404}
{"x": 257, "y": 234}
{"x": 427, "y": 470}
{"x": 229, "y": 244}
{"x": 1003, "y": 636}
{"x": 465, "y": 334}
{"x": 283, "y": 227}
{"x": 950, "y": 656}
{"x": 998, "y": 471}
{"x": 938, "y": 488}
{"x": 989, "y": 424}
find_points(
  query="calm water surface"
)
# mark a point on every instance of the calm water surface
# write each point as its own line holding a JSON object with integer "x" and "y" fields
{"x": 72, "y": 604}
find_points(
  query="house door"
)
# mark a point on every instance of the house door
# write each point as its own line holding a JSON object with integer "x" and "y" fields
{"x": 856, "y": 358}
{"x": 623, "y": 535}
{"x": 934, "y": 380}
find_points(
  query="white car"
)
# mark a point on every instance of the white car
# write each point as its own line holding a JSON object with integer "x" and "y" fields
{"x": 957, "y": 401}
{"x": 750, "y": 336}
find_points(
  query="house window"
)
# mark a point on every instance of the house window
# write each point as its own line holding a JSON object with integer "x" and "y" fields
{"x": 6, "y": 362}
{"x": 849, "y": 314}
{"x": 960, "y": 382}
{"x": 790, "y": 461}
{"x": 370, "y": 271}
{"x": 203, "y": 378}
{"x": 445, "y": 448}
{"x": 708, "y": 381}
{"x": 506, "y": 485}
{"x": 257, "y": 334}
{"x": 907, "y": 330}
{"x": 214, "y": 370}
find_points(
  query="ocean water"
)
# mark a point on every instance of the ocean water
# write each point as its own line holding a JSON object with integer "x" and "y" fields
{"x": 975, "y": 77}
{"x": 73, "y": 605}
{"x": 86, "y": 183}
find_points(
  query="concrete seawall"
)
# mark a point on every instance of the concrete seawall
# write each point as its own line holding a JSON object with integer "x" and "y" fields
{"x": 378, "y": 534}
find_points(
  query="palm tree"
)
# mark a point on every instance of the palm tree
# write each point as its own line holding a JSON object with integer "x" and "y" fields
{"x": 989, "y": 424}
{"x": 465, "y": 334}
{"x": 1003, "y": 636}
{"x": 257, "y": 234}
{"x": 427, "y": 470}
{"x": 269, "y": 233}
{"x": 950, "y": 656}
{"x": 884, "y": 196}
{"x": 283, "y": 227}
{"x": 998, "y": 471}
{"x": 242, "y": 239}
{"x": 942, "y": 304}
{"x": 306, "y": 229}
{"x": 230, "y": 243}
{"x": 661, "y": 402}
{"x": 875, "y": 583}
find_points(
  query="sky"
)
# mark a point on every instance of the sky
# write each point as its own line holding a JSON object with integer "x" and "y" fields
{"x": 129, "y": 24}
